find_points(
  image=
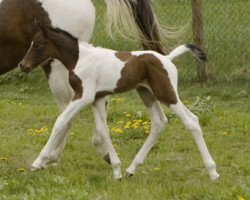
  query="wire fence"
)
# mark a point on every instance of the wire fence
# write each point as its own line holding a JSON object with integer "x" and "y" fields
{"x": 226, "y": 33}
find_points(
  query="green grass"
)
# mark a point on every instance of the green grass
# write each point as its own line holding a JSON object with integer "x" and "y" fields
{"x": 174, "y": 169}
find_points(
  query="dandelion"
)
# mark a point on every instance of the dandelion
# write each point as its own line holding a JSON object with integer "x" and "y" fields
{"x": 128, "y": 125}
{"x": 3, "y": 158}
{"x": 20, "y": 170}
{"x": 186, "y": 102}
{"x": 225, "y": 133}
{"x": 119, "y": 122}
{"x": 36, "y": 132}
{"x": 240, "y": 198}
{"x": 127, "y": 114}
{"x": 157, "y": 169}
{"x": 118, "y": 100}
{"x": 73, "y": 133}
{"x": 117, "y": 130}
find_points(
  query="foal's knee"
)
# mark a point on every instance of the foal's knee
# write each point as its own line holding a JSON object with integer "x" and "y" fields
{"x": 192, "y": 124}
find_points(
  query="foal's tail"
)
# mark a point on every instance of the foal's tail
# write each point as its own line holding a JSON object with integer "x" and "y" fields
{"x": 196, "y": 51}
{"x": 136, "y": 19}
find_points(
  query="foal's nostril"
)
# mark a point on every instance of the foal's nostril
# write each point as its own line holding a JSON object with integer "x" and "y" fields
{"x": 20, "y": 65}
{"x": 24, "y": 68}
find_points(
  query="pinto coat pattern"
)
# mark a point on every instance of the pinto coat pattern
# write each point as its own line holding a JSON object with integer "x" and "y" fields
{"x": 97, "y": 72}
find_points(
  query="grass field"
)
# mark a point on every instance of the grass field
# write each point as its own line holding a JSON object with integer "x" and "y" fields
{"x": 173, "y": 170}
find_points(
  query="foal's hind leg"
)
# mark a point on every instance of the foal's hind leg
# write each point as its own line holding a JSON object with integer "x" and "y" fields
{"x": 104, "y": 144}
{"x": 158, "y": 122}
{"x": 192, "y": 124}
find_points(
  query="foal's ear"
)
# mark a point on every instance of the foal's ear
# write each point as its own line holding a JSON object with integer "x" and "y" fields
{"x": 41, "y": 27}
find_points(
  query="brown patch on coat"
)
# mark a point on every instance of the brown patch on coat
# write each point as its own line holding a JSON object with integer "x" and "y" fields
{"x": 147, "y": 67}
{"x": 146, "y": 96}
{"x": 47, "y": 67}
{"x": 17, "y": 28}
{"x": 76, "y": 84}
{"x": 102, "y": 94}
{"x": 123, "y": 56}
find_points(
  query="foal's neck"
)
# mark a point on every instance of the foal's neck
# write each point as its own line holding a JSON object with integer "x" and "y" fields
{"x": 67, "y": 48}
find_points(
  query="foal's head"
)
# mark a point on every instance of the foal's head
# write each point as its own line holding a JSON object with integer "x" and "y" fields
{"x": 49, "y": 43}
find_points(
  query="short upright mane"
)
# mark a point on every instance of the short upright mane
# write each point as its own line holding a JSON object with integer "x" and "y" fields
{"x": 58, "y": 30}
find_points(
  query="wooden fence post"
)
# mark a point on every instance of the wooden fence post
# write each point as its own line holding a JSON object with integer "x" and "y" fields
{"x": 198, "y": 36}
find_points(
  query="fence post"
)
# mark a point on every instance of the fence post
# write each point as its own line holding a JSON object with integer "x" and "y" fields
{"x": 198, "y": 36}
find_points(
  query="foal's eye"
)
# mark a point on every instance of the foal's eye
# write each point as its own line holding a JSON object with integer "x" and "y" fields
{"x": 37, "y": 46}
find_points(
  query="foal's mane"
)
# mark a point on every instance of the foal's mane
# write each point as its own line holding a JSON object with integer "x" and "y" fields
{"x": 58, "y": 30}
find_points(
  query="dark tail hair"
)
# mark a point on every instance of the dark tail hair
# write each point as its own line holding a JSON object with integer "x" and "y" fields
{"x": 196, "y": 51}
{"x": 145, "y": 20}
{"x": 136, "y": 19}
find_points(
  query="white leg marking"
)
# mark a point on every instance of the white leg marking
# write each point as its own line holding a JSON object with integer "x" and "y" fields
{"x": 192, "y": 124}
{"x": 52, "y": 150}
{"x": 100, "y": 107}
{"x": 159, "y": 122}
{"x": 102, "y": 135}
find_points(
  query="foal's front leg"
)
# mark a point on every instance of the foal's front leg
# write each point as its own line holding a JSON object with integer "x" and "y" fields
{"x": 52, "y": 150}
{"x": 100, "y": 107}
{"x": 101, "y": 137}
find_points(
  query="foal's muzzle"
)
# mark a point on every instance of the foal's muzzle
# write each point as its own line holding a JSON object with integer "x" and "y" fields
{"x": 25, "y": 69}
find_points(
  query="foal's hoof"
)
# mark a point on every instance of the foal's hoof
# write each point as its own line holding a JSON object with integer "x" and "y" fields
{"x": 118, "y": 178}
{"x": 34, "y": 169}
{"x": 107, "y": 159}
{"x": 128, "y": 174}
{"x": 215, "y": 176}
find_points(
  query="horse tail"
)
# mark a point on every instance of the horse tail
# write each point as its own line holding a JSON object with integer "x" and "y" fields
{"x": 196, "y": 51}
{"x": 136, "y": 19}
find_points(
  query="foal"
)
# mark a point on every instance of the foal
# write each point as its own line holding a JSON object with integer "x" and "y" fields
{"x": 97, "y": 72}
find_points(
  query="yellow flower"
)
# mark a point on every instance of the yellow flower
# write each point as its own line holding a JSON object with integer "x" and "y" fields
{"x": 186, "y": 102}
{"x": 127, "y": 126}
{"x": 120, "y": 100}
{"x": 120, "y": 122}
{"x": 225, "y": 133}
{"x": 73, "y": 133}
{"x": 44, "y": 129}
{"x": 117, "y": 130}
{"x": 157, "y": 169}
{"x": 128, "y": 115}
{"x": 135, "y": 127}
{"x": 21, "y": 170}
{"x": 240, "y": 198}
{"x": 3, "y": 158}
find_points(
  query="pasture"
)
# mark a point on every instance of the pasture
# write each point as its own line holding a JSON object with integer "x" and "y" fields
{"x": 173, "y": 170}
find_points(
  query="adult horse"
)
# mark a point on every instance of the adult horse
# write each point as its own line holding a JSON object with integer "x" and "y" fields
{"x": 17, "y": 27}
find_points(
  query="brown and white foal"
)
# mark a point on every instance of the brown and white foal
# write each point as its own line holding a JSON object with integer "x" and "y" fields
{"x": 94, "y": 73}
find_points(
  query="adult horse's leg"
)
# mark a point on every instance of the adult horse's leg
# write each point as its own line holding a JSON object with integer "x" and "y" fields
{"x": 136, "y": 19}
